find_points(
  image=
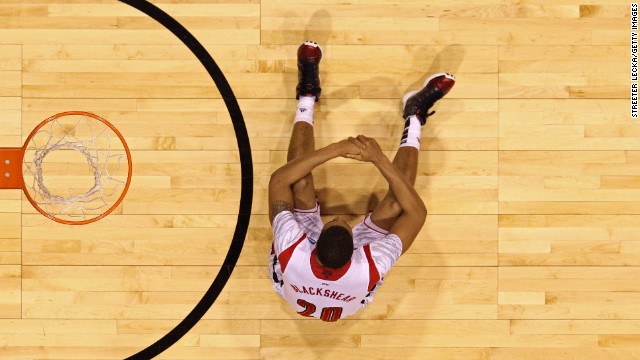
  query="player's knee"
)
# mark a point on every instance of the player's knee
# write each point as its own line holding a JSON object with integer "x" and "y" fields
{"x": 394, "y": 207}
{"x": 303, "y": 185}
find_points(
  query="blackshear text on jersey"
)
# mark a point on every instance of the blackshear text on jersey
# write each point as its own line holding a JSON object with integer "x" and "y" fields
{"x": 322, "y": 292}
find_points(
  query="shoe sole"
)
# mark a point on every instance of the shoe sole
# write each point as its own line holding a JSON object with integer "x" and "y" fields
{"x": 411, "y": 93}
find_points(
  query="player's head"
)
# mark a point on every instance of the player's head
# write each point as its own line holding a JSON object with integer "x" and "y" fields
{"x": 335, "y": 244}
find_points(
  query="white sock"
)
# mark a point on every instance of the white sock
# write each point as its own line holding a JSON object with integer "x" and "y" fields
{"x": 412, "y": 131}
{"x": 305, "y": 109}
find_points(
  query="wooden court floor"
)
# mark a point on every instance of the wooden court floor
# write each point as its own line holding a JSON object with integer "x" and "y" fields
{"x": 530, "y": 170}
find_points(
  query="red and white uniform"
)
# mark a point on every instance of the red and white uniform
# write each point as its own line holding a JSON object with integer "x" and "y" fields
{"x": 325, "y": 293}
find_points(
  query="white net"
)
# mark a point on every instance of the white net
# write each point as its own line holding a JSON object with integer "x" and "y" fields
{"x": 75, "y": 168}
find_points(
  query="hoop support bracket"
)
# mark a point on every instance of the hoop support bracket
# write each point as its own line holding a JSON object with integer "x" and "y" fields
{"x": 11, "y": 168}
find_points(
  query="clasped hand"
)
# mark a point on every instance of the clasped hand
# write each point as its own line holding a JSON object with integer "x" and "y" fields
{"x": 361, "y": 148}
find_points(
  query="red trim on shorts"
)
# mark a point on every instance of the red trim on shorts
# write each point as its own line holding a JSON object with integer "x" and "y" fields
{"x": 325, "y": 273}
{"x": 308, "y": 211}
{"x": 374, "y": 275}
{"x": 376, "y": 230}
{"x": 285, "y": 255}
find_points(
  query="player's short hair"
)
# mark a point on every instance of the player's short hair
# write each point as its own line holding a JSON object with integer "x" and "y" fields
{"x": 334, "y": 247}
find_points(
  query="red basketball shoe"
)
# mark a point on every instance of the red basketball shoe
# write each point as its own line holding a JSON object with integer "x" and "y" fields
{"x": 420, "y": 101}
{"x": 309, "y": 56}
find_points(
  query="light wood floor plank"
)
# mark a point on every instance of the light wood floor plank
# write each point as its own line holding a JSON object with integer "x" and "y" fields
{"x": 529, "y": 170}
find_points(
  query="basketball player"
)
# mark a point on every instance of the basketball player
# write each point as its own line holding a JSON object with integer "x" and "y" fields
{"x": 330, "y": 271}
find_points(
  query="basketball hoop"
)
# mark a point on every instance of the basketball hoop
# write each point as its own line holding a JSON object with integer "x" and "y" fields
{"x": 75, "y": 168}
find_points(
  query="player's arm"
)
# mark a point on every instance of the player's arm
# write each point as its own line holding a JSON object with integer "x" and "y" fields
{"x": 414, "y": 212}
{"x": 280, "y": 193}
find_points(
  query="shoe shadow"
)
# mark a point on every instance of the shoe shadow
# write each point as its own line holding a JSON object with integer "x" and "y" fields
{"x": 318, "y": 30}
{"x": 318, "y": 27}
{"x": 447, "y": 60}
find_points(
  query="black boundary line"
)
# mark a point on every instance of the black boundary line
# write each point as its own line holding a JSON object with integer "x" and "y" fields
{"x": 246, "y": 165}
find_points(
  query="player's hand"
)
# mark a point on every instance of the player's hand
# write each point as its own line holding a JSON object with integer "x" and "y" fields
{"x": 347, "y": 149}
{"x": 370, "y": 151}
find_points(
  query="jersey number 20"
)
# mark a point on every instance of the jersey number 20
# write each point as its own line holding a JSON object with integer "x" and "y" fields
{"x": 329, "y": 314}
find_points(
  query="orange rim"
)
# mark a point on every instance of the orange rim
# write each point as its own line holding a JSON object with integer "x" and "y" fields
{"x": 126, "y": 186}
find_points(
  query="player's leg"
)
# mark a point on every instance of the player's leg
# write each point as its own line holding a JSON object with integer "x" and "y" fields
{"x": 388, "y": 210}
{"x": 416, "y": 112}
{"x": 304, "y": 194}
{"x": 302, "y": 137}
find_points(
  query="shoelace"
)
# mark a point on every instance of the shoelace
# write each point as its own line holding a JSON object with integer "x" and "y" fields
{"x": 309, "y": 75}
{"x": 426, "y": 99}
